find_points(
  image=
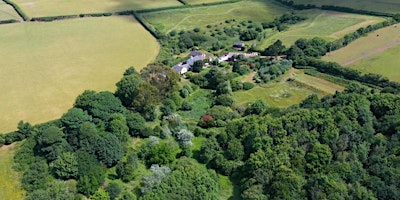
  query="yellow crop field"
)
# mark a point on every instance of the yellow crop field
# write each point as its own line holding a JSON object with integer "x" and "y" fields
{"x": 42, "y": 8}
{"x": 44, "y": 66}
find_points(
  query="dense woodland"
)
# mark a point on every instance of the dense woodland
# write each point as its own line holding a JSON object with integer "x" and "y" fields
{"x": 133, "y": 144}
{"x": 343, "y": 146}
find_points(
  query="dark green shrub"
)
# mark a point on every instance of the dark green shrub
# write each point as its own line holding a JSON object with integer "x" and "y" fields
{"x": 248, "y": 86}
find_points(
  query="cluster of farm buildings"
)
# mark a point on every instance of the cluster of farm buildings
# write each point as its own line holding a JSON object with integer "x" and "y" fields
{"x": 194, "y": 56}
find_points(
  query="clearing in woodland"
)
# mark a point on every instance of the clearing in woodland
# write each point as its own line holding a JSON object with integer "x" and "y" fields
{"x": 9, "y": 180}
{"x": 52, "y": 63}
{"x": 377, "y": 53}
{"x": 200, "y": 17}
{"x": 290, "y": 89}
{"x": 385, "y": 6}
{"x": 328, "y": 25}
{"x": 7, "y": 12}
{"x": 41, "y": 8}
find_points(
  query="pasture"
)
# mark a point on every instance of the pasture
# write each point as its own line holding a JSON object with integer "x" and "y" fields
{"x": 321, "y": 85}
{"x": 200, "y": 17}
{"x": 9, "y": 179}
{"x": 8, "y": 12}
{"x": 385, "y": 6}
{"x": 385, "y": 63}
{"x": 49, "y": 64}
{"x": 328, "y": 25}
{"x": 194, "y": 2}
{"x": 41, "y": 8}
{"x": 377, "y": 52}
{"x": 284, "y": 93}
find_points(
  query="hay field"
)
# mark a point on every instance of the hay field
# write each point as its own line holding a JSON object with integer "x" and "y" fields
{"x": 9, "y": 180}
{"x": 8, "y": 12}
{"x": 44, "y": 66}
{"x": 378, "y": 52}
{"x": 386, "y": 6}
{"x": 185, "y": 19}
{"x": 41, "y": 8}
{"x": 328, "y": 25}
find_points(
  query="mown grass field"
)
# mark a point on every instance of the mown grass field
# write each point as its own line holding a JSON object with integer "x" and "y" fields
{"x": 386, "y": 6}
{"x": 44, "y": 66}
{"x": 41, "y": 8}
{"x": 378, "y": 52}
{"x": 283, "y": 93}
{"x": 328, "y": 25}
{"x": 200, "y": 17}
{"x": 9, "y": 180}
{"x": 8, "y": 12}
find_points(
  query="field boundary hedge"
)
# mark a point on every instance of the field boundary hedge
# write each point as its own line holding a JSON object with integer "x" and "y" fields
{"x": 8, "y": 21}
{"x": 62, "y": 17}
{"x": 149, "y": 28}
{"x": 355, "y": 11}
{"x": 334, "y": 8}
{"x": 183, "y": 2}
{"x": 17, "y": 9}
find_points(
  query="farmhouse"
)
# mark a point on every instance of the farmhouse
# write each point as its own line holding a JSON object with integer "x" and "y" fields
{"x": 185, "y": 66}
{"x": 181, "y": 68}
{"x": 239, "y": 46}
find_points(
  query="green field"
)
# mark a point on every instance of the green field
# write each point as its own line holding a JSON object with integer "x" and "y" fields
{"x": 328, "y": 25}
{"x": 386, "y": 6}
{"x": 194, "y": 2}
{"x": 321, "y": 85}
{"x": 41, "y": 8}
{"x": 8, "y": 12}
{"x": 385, "y": 63}
{"x": 283, "y": 93}
{"x": 378, "y": 52}
{"x": 184, "y": 19}
{"x": 9, "y": 179}
{"x": 46, "y": 65}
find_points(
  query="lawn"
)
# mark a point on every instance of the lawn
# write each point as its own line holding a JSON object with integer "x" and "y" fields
{"x": 387, "y": 6}
{"x": 44, "y": 66}
{"x": 9, "y": 179}
{"x": 283, "y": 93}
{"x": 328, "y": 25}
{"x": 377, "y": 53}
{"x": 200, "y": 17}
{"x": 8, "y": 12}
{"x": 41, "y": 8}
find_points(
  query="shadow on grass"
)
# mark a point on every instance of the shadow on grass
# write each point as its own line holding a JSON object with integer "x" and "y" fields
{"x": 236, "y": 189}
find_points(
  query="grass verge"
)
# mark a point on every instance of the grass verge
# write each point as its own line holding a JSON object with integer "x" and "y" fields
{"x": 9, "y": 180}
